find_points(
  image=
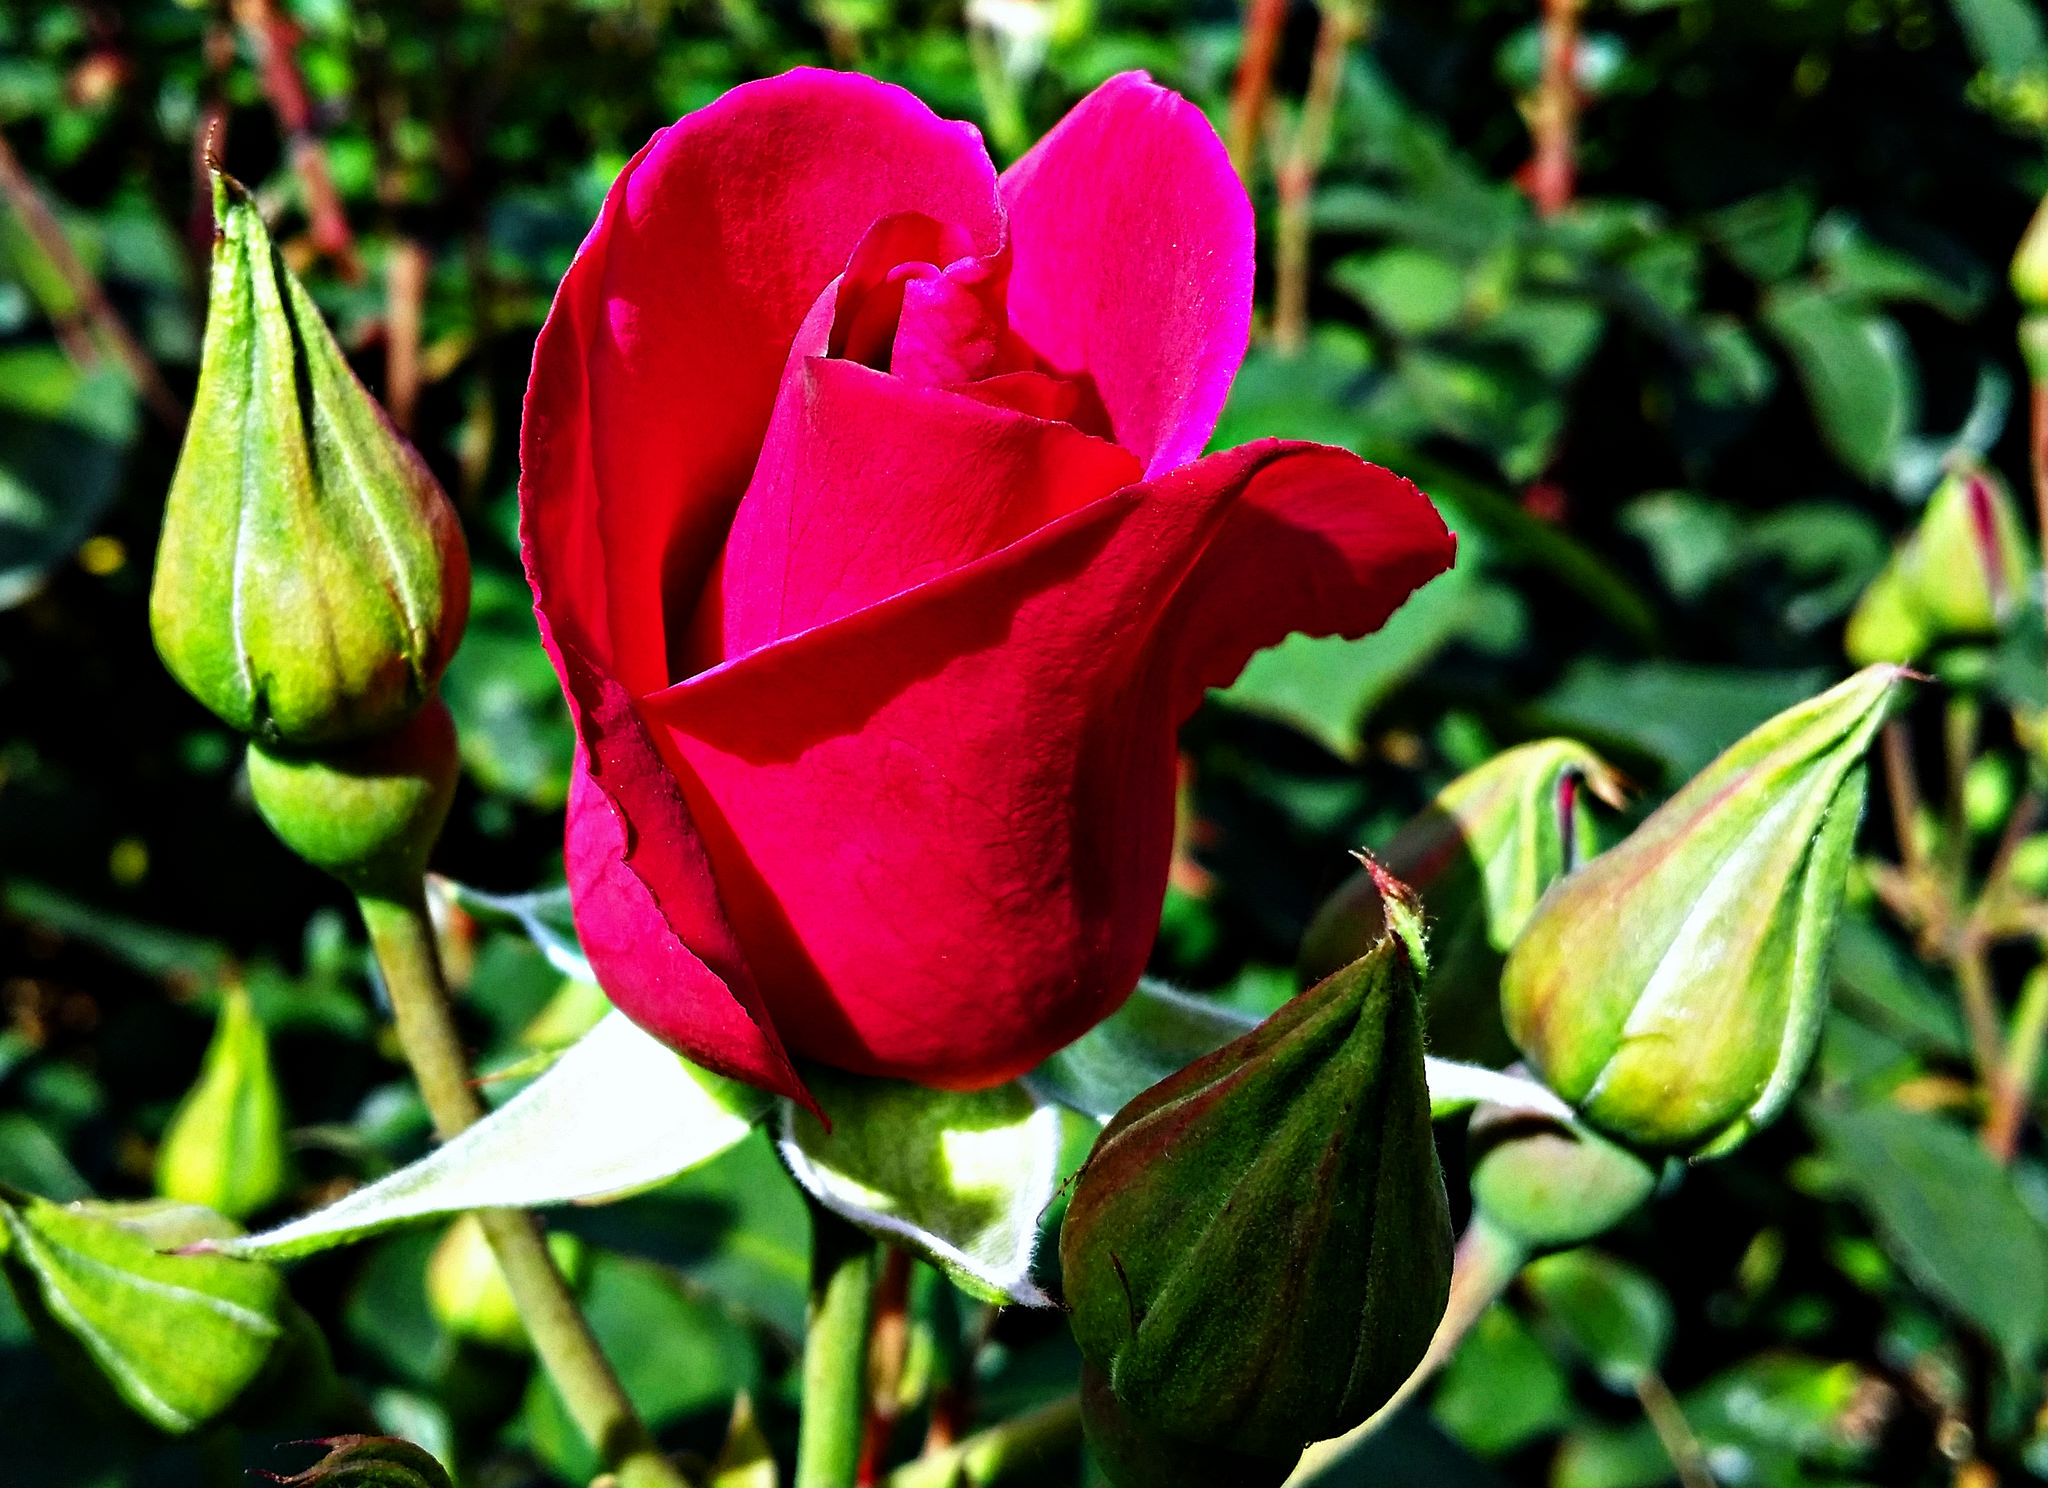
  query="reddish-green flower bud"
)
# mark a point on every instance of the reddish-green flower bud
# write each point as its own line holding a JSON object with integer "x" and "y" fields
{"x": 1958, "y": 574}
{"x": 225, "y": 1147}
{"x": 312, "y": 582}
{"x": 1481, "y": 855}
{"x": 370, "y": 1462}
{"x": 1672, "y": 989}
{"x": 367, "y": 814}
{"x": 1133, "y": 1455}
{"x": 1259, "y": 1248}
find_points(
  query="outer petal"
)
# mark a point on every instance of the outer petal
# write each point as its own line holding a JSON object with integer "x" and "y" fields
{"x": 654, "y": 378}
{"x": 942, "y": 824}
{"x": 1132, "y": 243}
{"x": 647, "y": 908}
{"x": 869, "y": 485}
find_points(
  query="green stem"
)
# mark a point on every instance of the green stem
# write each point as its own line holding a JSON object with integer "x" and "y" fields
{"x": 1673, "y": 1430}
{"x": 1488, "y": 1259}
{"x": 402, "y": 936}
{"x": 835, "y": 1353}
{"x": 988, "y": 1457}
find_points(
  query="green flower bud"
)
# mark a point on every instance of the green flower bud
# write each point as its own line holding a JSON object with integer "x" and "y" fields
{"x": 2033, "y": 340}
{"x": 2030, "y": 262}
{"x": 225, "y": 1147}
{"x": 1958, "y": 574}
{"x": 1258, "y": 1248}
{"x": 1547, "y": 1183}
{"x": 1132, "y": 1455}
{"x": 1672, "y": 989}
{"x": 1481, "y": 855}
{"x": 467, "y": 1293}
{"x": 367, "y": 814}
{"x": 371, "y": 1462}
{"x": 312, "y": 581}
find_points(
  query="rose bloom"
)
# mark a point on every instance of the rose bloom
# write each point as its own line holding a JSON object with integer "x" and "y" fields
{"x": 865, "y": 508}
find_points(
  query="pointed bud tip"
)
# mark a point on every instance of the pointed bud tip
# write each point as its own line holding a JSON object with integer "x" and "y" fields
{"x": 1403, "y": 912}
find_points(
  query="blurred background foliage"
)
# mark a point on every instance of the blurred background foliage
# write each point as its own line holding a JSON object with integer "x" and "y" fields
{"x": 1678, "y": 402}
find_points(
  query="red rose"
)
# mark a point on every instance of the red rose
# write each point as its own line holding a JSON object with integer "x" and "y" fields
{"x": 864, "y": 506}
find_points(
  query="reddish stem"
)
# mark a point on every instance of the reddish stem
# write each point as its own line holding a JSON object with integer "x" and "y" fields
{"x": 1554, "y": 113}
{"x": 274, "y": 40}
{"x": 888, "y": 1346}
{"x": 93, "y": 324}
{"x": 1264, "y": 22}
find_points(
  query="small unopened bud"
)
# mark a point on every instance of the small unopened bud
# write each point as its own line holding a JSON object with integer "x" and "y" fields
{"x": 2030, "y": 262}
{"x": 467, "y": 1293}
{"x": 312, "y": 581}
{"x": 367, "y": 814}
{"x": 1960, "y": 573}
{"x": 225, "y": 1147}
{"x": 1672, "y": 989}
{"x": 1258, "y": 1249}
{"x": 1548, "y": 1183}
{"x": 370, "y": 1462}
{"x": 1480, "y": 855}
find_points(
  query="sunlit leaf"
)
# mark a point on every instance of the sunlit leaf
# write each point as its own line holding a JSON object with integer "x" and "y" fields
{"x": 616, "y": 1113}
{"x": 959, "y": 1177}
{"x": 178, "y": 1337}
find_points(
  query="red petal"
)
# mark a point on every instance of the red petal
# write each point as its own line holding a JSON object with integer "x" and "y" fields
{"x": 655, "y": 375}
{"x": 647, "y": 907}
{"x": 869, "y": 485}
{"x": 1132, "y": 263}
{"x": 941, "y": 824}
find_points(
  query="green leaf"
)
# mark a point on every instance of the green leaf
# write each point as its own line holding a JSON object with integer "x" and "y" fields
{"x": 1885, "y": 987}
{"x": 1681, "y": 715}
{"x": 959, "y": 1177}
{"x": 1764, "y": 236}
{"x": 178, "y": 1337}
{"x": 1502, "y": 1389}
{"x": 1516, "y": 537}
{"x": 1770, "y": 1421}
{"x": 1413, "y": 292}
{"x": 1948, "y": 1214}
{"x": 1325, "y": 686}
{"x": 676, "y": 1355}
{"x": 544, "y": 915}
{"x": 1158, "y": 1032}
{"x": 1616, "y": 1317}
{"x": 2005, "y": 36}
{"x": 615, "y": 1114}
{"x": 515, "y": 730}
{"x": 1857, "y": 369}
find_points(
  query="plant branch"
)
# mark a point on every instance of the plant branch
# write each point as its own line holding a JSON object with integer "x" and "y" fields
{"x": 2013, "y": 1095}
{"x": 1488, "y": 1259}
{"x": 1343, "y": 21}
{"x": 274, "y": 42}
{"x": 402, "y": 936}
{"x": 1554, "y": 113}
{"x": 1264, "y": 21}
{"x": 1673, "y": 1430}
{"x": 835, "y": 1352}
{"x": 90, "y": 309}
